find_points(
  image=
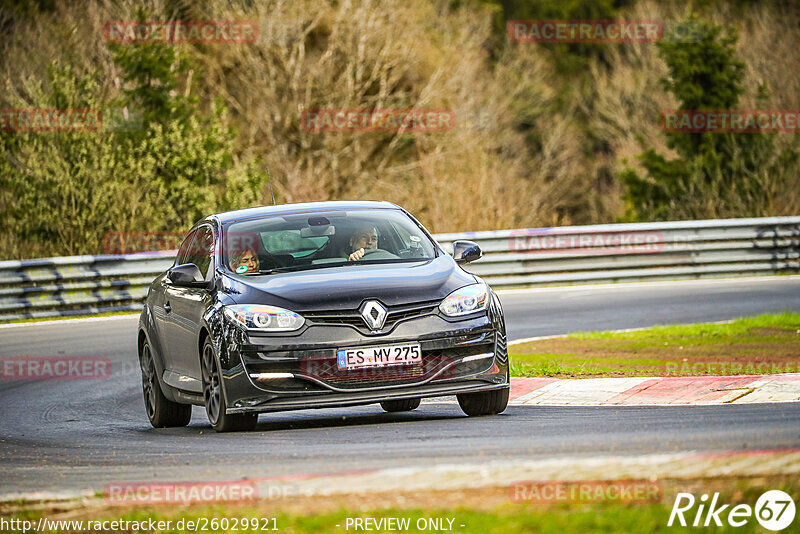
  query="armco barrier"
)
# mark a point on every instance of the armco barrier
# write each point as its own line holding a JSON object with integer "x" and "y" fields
{"x": 513, "y": 258}
{"x": 73, "y": 285}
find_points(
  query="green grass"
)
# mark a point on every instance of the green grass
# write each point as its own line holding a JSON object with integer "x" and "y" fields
{"x": 548, "y": 365}
{"x": 486, "y": 510}
{"x": 785, "y": 320}
{"x": 751, "y": 345}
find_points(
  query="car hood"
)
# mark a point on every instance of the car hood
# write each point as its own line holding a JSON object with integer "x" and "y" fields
{"x": 346, "y": 287}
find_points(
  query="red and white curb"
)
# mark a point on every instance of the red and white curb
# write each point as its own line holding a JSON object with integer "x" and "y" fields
{"x": 497, "y": 473}
{"x": 683, "y": 390}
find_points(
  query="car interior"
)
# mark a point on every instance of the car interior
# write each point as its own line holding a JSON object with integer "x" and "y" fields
{"x": 319, "y": 240}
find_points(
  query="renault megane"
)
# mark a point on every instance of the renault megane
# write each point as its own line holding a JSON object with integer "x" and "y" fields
{"x": 325, "y": 304}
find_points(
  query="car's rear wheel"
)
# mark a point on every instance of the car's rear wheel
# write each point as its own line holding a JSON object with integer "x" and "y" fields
{"x": 214, "y": 397}
{"x": 161, "y": 411}
{"x": 403, "y": 405}
{"x": 484, "y": 403}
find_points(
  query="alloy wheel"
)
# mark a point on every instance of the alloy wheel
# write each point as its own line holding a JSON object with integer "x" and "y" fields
{"x": 148, "y": 379}
{"x": 212, "y": 394}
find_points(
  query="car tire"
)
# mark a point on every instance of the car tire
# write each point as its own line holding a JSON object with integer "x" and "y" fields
{"x": 162, "y": 412}
{"x": 214, "y": 397}
{"x": 484, "y": 403}
{"x": 402, "y": 405}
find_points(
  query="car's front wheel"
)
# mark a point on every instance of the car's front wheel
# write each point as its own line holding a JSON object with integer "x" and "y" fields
{"x": 161, "y": 411}
{"x": 484, "y": 403}
{"x": 214, "y": 397}
{"x": 403, "y": 405}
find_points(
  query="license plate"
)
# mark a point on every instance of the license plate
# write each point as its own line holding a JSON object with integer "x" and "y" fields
{"x": 408, "y": 354}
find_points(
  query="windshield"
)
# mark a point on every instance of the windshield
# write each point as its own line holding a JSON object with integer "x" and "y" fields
{"x": 323, "y": 239}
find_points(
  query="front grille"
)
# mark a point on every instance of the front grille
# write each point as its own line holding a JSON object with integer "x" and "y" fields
{"x": 395, "y": 315}
{"x": 323, "y": 367}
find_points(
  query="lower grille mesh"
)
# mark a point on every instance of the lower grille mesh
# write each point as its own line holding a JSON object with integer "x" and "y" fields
{"x": 327, "y": 371}
{"x": 324, "y": 368}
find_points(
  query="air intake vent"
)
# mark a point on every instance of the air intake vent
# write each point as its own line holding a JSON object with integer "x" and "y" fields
{"x": 502, "y": 349}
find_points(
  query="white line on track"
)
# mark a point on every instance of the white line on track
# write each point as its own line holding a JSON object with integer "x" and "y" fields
{"x": 633, "y": 285}
{"x": 623, "y": 331}
{"x": 70, "y": 321}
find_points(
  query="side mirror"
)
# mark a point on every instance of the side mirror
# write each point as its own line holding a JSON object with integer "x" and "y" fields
{"x": 466, "y": 251}
{"x": 186, "y": 275}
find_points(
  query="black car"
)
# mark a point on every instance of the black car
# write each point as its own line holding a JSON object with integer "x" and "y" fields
{"x": 318, "y": 305}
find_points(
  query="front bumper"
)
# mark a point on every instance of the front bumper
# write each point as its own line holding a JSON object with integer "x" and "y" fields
{"x": 269, "y": 373}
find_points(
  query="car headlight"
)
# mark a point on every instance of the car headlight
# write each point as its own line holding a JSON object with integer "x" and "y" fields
{"x": 469, "y": 299}
{"x": 264, "y": 318}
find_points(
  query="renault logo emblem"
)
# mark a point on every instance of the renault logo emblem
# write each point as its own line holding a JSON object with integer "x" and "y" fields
{"x": 374, "y": 314}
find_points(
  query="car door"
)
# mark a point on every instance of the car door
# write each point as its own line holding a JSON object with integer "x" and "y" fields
{"x": 158, "y": 300}
{"x": 186, "y": 307}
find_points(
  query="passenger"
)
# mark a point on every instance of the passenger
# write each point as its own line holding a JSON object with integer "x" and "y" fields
{"x": 364, "y": 238}
{"x": 246, "y": 258}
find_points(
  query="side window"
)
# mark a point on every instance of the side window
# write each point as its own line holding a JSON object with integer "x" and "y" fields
{"x": 183, "y": 252}
{"x": 202, "y": 249}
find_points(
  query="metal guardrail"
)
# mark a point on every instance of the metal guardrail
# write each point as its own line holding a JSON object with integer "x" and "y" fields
{"x": 512, "y": 258}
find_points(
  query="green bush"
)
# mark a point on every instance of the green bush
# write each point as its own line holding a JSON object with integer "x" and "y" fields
{"x": 62, "y": 192}
{"x": 715, "y": 174}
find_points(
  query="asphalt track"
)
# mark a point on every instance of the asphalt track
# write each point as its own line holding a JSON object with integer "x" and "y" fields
{"x": 73, "y": 435}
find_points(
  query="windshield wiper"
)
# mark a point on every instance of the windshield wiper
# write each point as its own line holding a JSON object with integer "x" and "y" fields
{"x": 283, "y": 269}
{"x": 265, "y": 271}
{"x": 271, "y": 271}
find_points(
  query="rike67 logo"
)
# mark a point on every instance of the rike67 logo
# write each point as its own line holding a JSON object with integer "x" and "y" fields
{"x": 774, "y": 510}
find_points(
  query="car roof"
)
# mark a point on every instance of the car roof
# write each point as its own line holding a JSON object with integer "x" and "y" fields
{"x": 304, "y": 207}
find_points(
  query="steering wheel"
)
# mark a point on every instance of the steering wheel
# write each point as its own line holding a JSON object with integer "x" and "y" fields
{"x": 379, "y": 254}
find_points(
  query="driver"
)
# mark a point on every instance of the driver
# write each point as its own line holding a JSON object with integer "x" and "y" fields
{"x": 246, "y": 261}
{"x": 363, "y": 239}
